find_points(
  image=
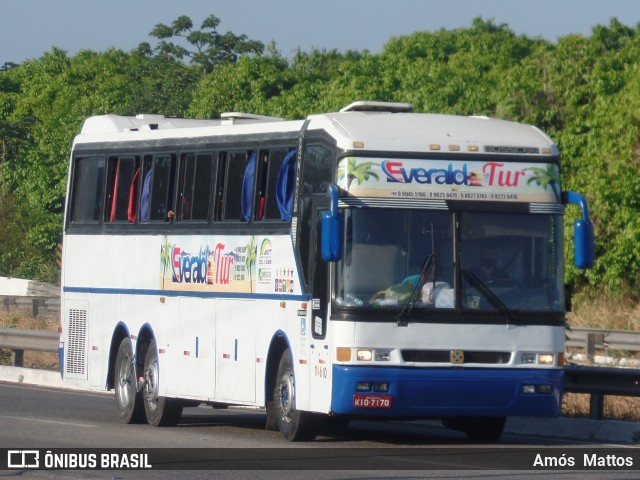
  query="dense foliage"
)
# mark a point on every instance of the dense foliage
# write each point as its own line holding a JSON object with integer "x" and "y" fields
{"x": 583, "y": 91}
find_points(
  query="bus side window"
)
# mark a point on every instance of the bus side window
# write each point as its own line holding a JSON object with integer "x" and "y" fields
{"x": 275, "y": 184}
{"x": 218, "y": 197}
{"x": 236, "y": 163}
{"x": 156, "y": 198}
{"x": 284, "y": 187}
{"x": 122, "y": 189}
{"x": 262, "y": 170}
{"x": 194, "y": 186}
{"x": 88, "y": 188}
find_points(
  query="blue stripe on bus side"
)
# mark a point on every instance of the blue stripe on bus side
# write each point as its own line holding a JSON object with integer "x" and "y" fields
{"x": 178, "y": 293}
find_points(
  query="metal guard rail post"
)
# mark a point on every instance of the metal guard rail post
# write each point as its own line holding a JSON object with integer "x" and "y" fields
{"x": 20, "y": 340}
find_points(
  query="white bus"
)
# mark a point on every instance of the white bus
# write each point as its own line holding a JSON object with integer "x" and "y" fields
{"x": 371, "y": 262}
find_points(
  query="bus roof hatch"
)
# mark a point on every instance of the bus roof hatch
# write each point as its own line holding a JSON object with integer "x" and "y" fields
{"x": 366, "y": 106}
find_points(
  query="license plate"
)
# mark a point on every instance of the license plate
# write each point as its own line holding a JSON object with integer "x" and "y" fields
{"x": 372, "y": 401}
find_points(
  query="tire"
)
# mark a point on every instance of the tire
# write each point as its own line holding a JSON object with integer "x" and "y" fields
{"x": 293, "y": 424}
{"x": 160, "y": 411}
{"x": 128, "y": 400}
{"x": 478, "y": 429}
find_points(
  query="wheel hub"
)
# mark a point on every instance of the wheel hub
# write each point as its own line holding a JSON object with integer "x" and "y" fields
{"x": 287, "y": 395}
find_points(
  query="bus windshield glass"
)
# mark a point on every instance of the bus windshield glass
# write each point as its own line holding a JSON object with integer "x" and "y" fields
{"x": 506, "y": 261}
{"x": 385, "y": 259}
{"x": 511, "y": 260}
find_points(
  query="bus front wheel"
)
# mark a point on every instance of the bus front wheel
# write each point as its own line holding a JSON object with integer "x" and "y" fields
{"x": 293, "y": 424}
{"x": 160, "y": 411}
{"x": 128, "y": 401}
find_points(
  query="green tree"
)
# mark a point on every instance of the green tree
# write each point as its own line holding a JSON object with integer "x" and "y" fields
{"x": 206, "y": 47}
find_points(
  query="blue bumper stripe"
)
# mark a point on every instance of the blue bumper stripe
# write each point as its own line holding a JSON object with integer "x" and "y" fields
{"x": 423, "y": 392}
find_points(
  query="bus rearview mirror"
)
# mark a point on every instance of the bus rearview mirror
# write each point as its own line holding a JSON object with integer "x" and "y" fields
{"x": 332, "y": 229}
{"x": 584, "y": 251}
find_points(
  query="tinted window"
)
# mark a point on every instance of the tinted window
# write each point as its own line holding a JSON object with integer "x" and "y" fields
{"x": 122, "y": 189}
{"x": 156, "y": 198}
{"x": 195, "y": 186}
{"x": 88, "y": 185}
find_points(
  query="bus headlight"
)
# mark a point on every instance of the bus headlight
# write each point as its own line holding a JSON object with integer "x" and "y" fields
{"x": 530, "y": 358}
{"x": 377, "y": 355}
{"x": 545, "y": 359}
{"x": 364, "y": 355}
{"x": 382, "y": 355}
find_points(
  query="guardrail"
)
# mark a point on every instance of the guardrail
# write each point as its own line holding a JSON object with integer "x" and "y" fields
{"x": 601, "y": 381}
{"x": 596, "y": 381}
{"x": 592, "y": 339}
{"x": 20, "y": 340}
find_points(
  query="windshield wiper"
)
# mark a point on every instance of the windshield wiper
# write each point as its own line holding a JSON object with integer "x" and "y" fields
{"x": 428, "y": 267}
{"x": 489, "y": 295}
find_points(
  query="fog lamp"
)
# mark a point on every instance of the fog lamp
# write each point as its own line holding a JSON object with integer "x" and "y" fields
{"x": 545, "y": 388}
{"x": 363, "y": 386}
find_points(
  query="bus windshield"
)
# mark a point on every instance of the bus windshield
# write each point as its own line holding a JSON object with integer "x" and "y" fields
{"x": 506, "y": 261}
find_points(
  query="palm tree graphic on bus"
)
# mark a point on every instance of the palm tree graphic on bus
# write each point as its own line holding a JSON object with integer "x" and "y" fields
{"x": 351, "y": 170}
{"x": 546, "y": 177}
{"x": 165, "y": 258}
{"x": 251, "y": 260}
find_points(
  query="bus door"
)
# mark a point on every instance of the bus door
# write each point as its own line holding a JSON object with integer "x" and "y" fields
{"x": 318, "y": 323}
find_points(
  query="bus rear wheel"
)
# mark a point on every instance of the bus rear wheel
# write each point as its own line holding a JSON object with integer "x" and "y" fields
{"x": 128, "y": 400}
{"x": 293, "y": 424}
{"x": 160, "y": 411}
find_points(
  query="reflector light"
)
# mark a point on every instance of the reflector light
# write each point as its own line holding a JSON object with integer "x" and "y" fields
{"x": 343, "y": 354}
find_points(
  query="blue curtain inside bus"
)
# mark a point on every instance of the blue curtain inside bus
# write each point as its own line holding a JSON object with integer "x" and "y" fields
{"x": 247, "y": 187}
{"x": 285, "y": 186}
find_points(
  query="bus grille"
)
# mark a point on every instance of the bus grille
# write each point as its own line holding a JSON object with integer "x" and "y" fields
{"x": 77, "y": 340}
{"x": 444, "y": 356}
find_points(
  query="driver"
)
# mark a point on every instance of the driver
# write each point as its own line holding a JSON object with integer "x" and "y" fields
{"x": 488, "y": 269}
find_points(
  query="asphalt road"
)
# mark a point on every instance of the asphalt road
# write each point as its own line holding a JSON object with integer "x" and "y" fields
{"x": 41, "y": 418}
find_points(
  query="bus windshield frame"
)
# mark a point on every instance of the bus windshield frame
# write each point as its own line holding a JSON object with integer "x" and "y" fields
{"x": 483, "y": 262}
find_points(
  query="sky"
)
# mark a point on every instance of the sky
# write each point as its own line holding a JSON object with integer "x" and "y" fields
{"x": 30, "y": 28}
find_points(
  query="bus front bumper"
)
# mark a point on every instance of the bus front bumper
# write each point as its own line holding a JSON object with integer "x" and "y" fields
{"x": 446, "y": 392}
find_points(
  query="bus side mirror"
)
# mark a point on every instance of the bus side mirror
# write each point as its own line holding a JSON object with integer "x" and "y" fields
{"x": 331, "y": 238}
{"x": 584, "y": 251}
